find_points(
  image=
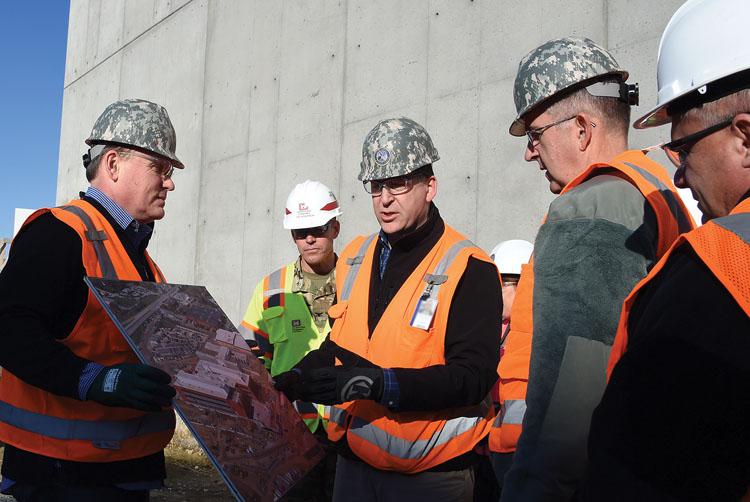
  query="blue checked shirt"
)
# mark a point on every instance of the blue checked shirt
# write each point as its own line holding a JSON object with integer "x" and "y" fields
{"x": 391, "y": 391}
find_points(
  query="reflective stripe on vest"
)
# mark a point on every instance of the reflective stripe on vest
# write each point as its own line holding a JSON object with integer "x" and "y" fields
{"x": 354, "y": 264}
{"x": 416, "y": 449}
{"x": 512, "y": 412}
{"x": 97, "y": 238}
{"x": 669, "y": 197}
{"x": 273, "y": 292}
{"x": 96, "y": 431}
{"x": 738, "y": 224}
{"x": 438, "y": 276}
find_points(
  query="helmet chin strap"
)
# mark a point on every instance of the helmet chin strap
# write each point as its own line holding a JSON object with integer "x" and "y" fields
{"x": 92, "y": 153}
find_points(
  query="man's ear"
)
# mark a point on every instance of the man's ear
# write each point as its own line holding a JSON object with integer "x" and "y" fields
{"x": 432, "y": 186}
{"x": 741, "y": 128}
{"x": 110, "y": 164}
{"x": 336, "y": 227}
{"x": 585, "y": 130}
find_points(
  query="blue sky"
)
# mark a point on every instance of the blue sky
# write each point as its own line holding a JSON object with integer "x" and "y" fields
{"x": 33, "y": 39}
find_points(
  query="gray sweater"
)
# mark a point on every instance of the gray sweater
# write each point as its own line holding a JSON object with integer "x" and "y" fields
{"x": 598, "y": 241}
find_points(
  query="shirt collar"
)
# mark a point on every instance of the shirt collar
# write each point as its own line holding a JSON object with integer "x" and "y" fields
{"x": 135, "y": 230}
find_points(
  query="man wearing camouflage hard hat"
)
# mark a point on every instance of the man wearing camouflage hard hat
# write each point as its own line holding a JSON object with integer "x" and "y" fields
{"x": 414, "y": 347}
{"x": 616, "y": 214}
{"x": 81, "y": 419}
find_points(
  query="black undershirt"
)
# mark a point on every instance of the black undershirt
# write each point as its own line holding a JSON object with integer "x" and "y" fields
{"x": 42, "y": 295}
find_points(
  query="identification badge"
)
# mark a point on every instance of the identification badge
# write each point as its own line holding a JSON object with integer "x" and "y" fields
{"x": 424, "y": 313}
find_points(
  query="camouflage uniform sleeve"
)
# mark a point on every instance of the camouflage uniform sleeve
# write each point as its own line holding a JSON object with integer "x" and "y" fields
{"x": 252, "y": 327}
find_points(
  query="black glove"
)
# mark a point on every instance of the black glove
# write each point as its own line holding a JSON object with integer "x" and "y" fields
{"x": 336, "y": 385}
{"x": 288, "y": 383}
{"x": 137, "y": 386}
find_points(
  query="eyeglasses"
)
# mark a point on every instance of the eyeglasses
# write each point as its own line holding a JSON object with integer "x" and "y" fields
{"x": 535, "y": 135}
{"x": 317, "y": 232}
{"x": 394, "y": 186}
{"x": 162, "y": 167}
{"x": 678, "y": 150}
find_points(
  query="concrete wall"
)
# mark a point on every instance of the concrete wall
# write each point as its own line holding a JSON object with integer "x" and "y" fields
{"x": 267, "y": 93}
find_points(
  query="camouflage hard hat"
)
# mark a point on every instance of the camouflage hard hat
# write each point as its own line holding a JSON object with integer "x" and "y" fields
{"x": 555, "y": 66}
{"x": 138, "y": 123}
{"x": 396, "y": 147}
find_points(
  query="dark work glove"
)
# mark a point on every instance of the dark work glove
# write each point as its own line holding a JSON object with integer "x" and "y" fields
{"x": 288, "y": 383}
{"x": 336, "y": 385}
{"x": 137, "y": 386}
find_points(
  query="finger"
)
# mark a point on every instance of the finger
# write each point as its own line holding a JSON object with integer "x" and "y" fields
{"x": 141, "y": 405}
{"x": 149, "y": 398}
{"x": 152, "y": 387}
{"x": 153, "y": 373}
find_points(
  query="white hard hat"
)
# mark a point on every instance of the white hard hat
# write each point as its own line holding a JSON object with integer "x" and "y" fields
{"x": 310, "y": 204}
{"x": 703, "y": 43}
{"x": 510, "y": 255}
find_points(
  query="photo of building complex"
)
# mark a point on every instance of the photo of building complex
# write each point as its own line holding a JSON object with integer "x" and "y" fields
{"x": 223, "y": 391}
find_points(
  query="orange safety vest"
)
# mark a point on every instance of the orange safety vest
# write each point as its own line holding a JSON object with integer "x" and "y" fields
{"x": 723, "y": 244}
{"x": 672, "y": 217}
{"x": 38, "y": 421}
{"x": 406, "y": 442}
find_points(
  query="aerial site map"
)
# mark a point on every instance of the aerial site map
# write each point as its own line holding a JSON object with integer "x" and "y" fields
{"x": 249, "y": 430}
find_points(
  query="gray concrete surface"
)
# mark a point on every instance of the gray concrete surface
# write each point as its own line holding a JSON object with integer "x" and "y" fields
{"x": 267, "y": 93}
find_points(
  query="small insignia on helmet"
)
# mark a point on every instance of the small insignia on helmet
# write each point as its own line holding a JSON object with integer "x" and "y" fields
{"x": 382, "y": 156}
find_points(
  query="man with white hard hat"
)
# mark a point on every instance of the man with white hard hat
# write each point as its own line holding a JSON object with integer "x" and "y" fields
{"x": 616, "y": 214}
{"x": 673, "y": 421}
{"x": 510, "y": 257}
{"x": 288, "y": 314}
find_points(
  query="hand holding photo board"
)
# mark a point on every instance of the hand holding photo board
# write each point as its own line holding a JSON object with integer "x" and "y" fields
{"x": 249, "y": 430}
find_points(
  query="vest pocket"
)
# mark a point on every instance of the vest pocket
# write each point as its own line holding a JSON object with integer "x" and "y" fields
{"x": 415, "y": 347}
{"x": 276, "y": 325}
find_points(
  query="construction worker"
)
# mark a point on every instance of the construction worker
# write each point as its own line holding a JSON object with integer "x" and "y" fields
{"x": 616, "y": 214}
{"x": 288, "y": 314}
{"x": 81, "y": 419}
{"x": 673, "y": 421}
{"x": 413, "y": 352}
{"x": 511, "y": 257}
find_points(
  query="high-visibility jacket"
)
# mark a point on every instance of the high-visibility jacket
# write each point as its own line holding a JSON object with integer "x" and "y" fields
{"x": 672, "y": 218}
{"x": 280, "y": 322}
{"x": 38, "y": 421}
{"x": 406, "y": 442}
{"x": 723, "y": 245}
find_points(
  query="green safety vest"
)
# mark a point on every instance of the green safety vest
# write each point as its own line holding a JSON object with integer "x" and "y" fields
{"x": 280, "y": 323}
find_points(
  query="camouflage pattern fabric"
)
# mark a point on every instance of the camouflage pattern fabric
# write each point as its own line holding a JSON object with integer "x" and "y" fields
{"x": 138, "y": 123}
{"x": 555, "y": 66}
{"x": 318, "y": 291}
{"x": 396, "y": 147}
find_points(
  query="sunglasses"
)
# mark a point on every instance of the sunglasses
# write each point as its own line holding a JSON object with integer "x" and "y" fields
{"x": 678, "y": 150}
{"x": 317, "y": 232}
{"x": 394, "y": 186}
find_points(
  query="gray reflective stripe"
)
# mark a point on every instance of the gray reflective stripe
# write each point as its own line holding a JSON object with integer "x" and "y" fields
{"x": 246, "y": 332}
{"x": 97, "y": 238}
{"x": 438, "y": 277}
{"x": 274, "y": 283}
{"x": 305, "y": 407}
{"x": 738, "y": 224}
{"x": 88, "y": 430}
{"x": 683, "y": 224}
{"x": 354, "y": 264}
{"x": 414, "y": 449}
{"x": 512, "y": 412}
{"x": 337, "y": 416}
